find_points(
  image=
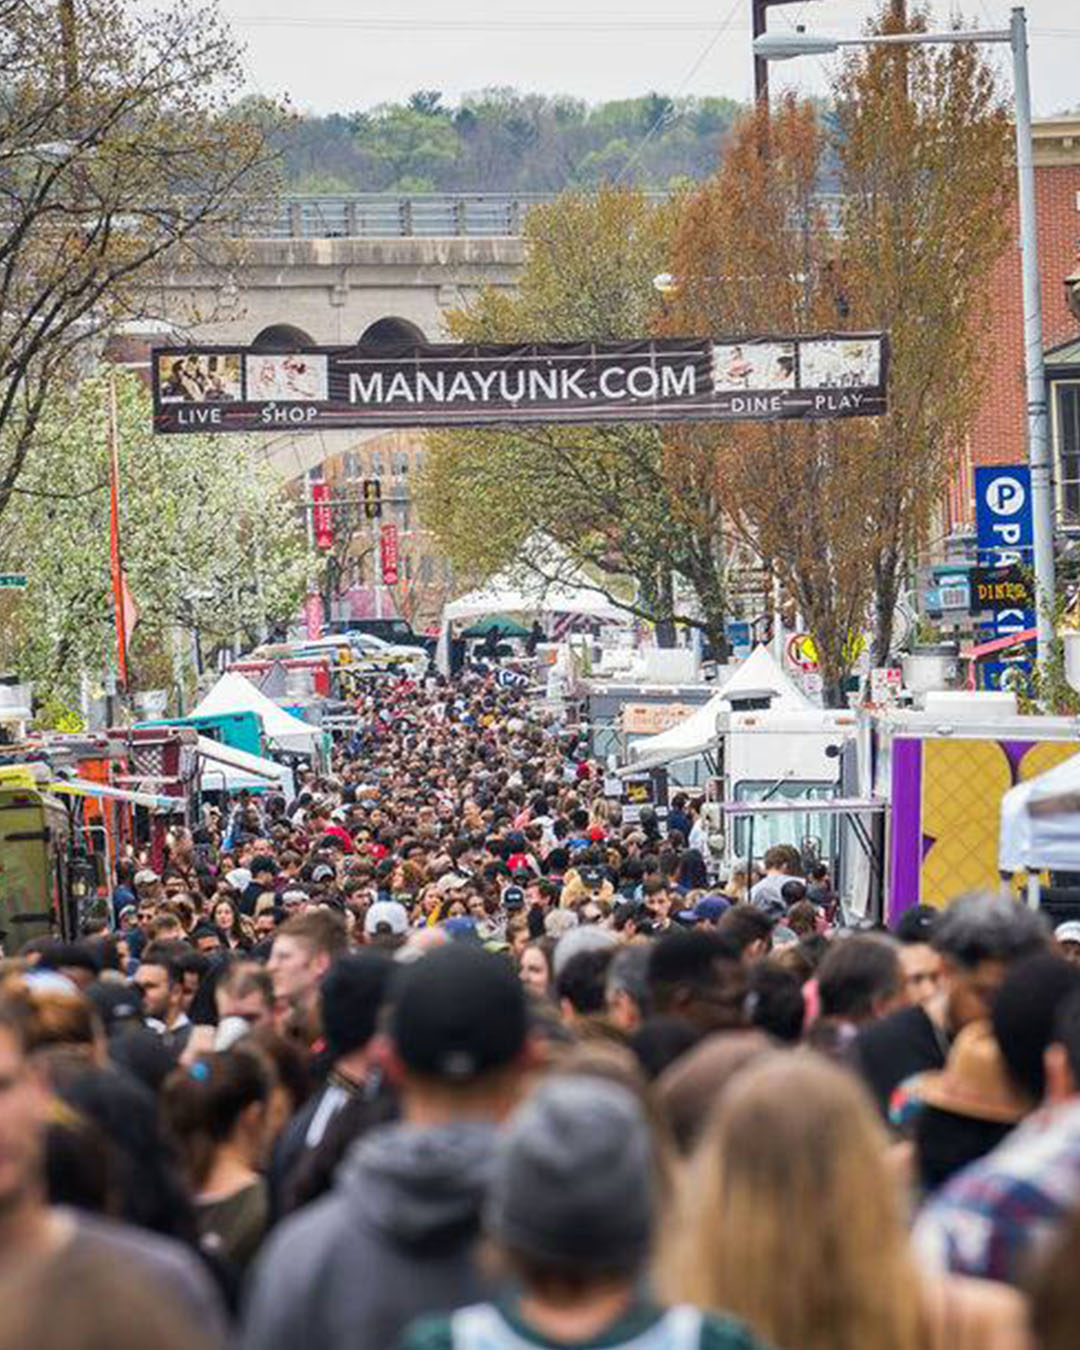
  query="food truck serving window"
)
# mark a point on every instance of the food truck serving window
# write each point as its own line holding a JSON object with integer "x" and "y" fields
{"x": 785, "y": 827}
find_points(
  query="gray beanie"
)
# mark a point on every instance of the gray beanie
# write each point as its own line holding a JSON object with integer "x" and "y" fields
{"x": 573, "y": 1177}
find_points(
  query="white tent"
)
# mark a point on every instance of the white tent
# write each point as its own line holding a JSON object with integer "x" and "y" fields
{"x": 1040, "y": 822}
{"x": 227, "y": 769}
{"x": 507, "y": 594}
{"x": 518, "y": 591}
{"x": 234, "y": 693}
{"x": 692, "y": 736}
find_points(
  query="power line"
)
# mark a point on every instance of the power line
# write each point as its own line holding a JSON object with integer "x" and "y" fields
{"x": 665, "y": 119}
{"x": 541, "y": 23}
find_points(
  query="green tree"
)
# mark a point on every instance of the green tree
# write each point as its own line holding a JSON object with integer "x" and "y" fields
{"x": 210, "y": 542}
{"x": 408, "y": 148}
{"x": 118, "y": 149}
{"x": 611, "y": 497}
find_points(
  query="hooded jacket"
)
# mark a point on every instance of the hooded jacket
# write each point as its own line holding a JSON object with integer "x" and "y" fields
{"x": 393, "y": 1241}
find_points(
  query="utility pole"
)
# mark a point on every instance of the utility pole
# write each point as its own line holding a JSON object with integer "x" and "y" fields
{"x": 759, "y": 22}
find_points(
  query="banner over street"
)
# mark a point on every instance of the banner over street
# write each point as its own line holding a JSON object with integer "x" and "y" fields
{"x": 237, "y": 389}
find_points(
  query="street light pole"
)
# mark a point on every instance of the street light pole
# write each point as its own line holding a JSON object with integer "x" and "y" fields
{"x": 1039, "y": 456}
{"x": 759, "y": 17}
{"x": 784, "y": 46}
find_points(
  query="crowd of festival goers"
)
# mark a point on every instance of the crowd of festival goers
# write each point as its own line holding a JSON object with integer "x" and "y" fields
{"x": 444, "y": 1053}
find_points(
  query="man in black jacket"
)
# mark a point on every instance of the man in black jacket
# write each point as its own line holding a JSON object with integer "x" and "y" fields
{"x": 396, "y": 1237}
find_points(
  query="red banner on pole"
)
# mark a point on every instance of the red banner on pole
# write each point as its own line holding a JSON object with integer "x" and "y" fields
{"x": 322, "y": 518}
{"x": 313, "y": 615}
{"x": 388, "y": 554}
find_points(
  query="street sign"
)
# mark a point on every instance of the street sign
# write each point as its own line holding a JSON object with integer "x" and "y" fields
{"x": 696, "y": 379}
{"x": 740, "y": 637}
{"x": 1005, "y": 534}
{"x": 12, "y": 581}
{"x": 1003, "y": 522}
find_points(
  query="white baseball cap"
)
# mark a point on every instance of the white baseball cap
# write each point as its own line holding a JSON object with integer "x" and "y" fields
{"x": 389, "y": 912}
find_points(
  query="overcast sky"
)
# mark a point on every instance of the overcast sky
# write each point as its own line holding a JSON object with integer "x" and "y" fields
{"x": 341, "y": 55}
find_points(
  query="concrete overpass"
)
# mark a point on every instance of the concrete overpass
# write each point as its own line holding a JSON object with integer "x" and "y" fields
{"x": 330, "y": 270}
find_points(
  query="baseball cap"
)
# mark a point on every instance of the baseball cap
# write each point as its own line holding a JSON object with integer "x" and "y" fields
{"x": 459, "y": 1012}
{"x": 389, "y": 912}
{"x": 450, "y": 882}
{"x": 593, "y": 877}
{"x": 513, "y": 898}
{"x": 1068, "y": 932}
{"x": 323, "y": 872}
{"x": 239, "y": 878}
{"x": 146, "y": 877}
{"x": 350, "y": 996}
{"x": 712, "y": 907}
{"x": 115, "y": 1002}
{"x": 461, "y": 929}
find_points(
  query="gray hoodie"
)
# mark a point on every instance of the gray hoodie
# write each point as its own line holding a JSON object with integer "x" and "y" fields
{"x": 394, "y": 1240}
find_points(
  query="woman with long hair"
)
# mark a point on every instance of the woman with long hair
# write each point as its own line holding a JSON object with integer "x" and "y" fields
{"x": 226, "y": 918}
{"x": 216, "y": 1110}
{"x": 792, "y": 1219}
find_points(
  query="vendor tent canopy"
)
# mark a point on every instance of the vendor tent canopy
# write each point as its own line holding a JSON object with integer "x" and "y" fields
{"x": 1040, "y": 822}
{"x": 759, "y": 673}
{"x": 519, "y": 589}
{"x": 508, "y": 627}
{"x": 233, "y": 694}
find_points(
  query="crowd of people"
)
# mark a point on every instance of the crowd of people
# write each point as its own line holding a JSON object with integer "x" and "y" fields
{"x": 445, "y": 1055}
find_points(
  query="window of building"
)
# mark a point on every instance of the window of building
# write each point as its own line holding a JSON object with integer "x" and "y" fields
{"x": 1067, "y": 446}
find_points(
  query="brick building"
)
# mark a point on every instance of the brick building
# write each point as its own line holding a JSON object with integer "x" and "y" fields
{"x": 425, "y": 579}
{"x": 999, "y": 433}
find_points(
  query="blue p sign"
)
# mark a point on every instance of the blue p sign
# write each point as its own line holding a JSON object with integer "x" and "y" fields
{"x": 1003, "y": 513}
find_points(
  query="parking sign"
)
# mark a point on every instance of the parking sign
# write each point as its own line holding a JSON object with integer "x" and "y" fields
{"x": 1003, "y": 513}
{"x": 1004, "y": 531}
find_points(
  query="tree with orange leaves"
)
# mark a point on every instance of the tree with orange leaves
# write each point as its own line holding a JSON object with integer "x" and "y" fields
{"x": 753, "y": 254}
{"x": 837, "y": 510}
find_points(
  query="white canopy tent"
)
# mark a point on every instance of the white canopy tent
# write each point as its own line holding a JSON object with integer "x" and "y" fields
{"x": 1040, "y": 822}
{"x": 518, "y": 591}
{"x": 760, "y": 672}
{"x": 505, "y": 594}
{"x": 234, "y": 693}
{"x": 227, "y": 769}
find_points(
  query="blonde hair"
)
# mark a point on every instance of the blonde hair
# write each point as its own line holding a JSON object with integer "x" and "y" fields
{"x": 790, "y": 1218}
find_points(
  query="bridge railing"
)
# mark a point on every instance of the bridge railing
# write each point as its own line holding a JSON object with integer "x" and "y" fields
{"x": 376, "y": 215}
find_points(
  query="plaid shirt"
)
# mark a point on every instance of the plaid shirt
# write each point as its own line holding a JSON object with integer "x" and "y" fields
{"x": 992, "y": 1218}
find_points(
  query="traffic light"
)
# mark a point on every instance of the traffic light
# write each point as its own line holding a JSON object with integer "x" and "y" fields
{"x": 372, "y": 498}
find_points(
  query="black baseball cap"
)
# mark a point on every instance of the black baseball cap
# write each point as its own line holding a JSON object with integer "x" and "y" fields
{"x": 350, "y": 996}
{"x": 513, "y": 898}
{"x": 459, "y": 1012}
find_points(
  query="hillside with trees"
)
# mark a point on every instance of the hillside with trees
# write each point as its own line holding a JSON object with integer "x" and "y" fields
{"x": 501, "y": 140}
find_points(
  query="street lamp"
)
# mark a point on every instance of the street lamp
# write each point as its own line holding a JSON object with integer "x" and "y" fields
{"x": 785, "y": 45}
